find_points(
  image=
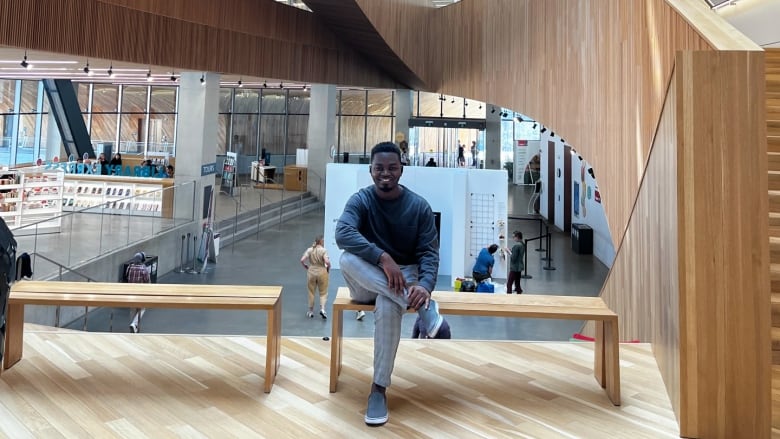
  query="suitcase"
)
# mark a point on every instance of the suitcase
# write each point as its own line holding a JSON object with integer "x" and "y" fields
{"x": 7, "y": 267}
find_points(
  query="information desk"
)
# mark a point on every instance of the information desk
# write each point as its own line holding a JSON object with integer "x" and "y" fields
{"x": 260, "y": 172}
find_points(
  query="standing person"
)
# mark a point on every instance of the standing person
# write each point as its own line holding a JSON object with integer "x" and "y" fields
{"x": 404, "y": 152}
{"x": 391, "y": 257}
{"x": 483, "y": 268}
{"x": 516, "y": 264}
{"x": 461, "y": 156}
{"x": 317, "y": 264}
{"x": 474, "y": 153}
{"x": 139, "y": 273}
{"x": 102, "y": 164}
{"x": 431, "y": 163}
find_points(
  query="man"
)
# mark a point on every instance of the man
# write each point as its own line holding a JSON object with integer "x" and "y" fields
{"x": 516, "y": 265}
{"x": 483, "y": 268}
{"x": 391, "y": 257}
{"x": 138, "y": 272}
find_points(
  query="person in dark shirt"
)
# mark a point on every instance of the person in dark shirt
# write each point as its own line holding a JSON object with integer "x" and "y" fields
{"x": 431, "y": 163}
{"x": 391, "y": 258}
{"x": 483, "y": 268}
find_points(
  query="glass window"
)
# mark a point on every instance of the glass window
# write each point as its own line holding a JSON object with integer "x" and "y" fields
{"x": 224, "y": 99}
{"x": 246, "y": 101}
{"x": 82, "y": 91}
{"x": 29, "y": 97}
{"x": 105, "y": 98}
{"x": 44, "y": 134}
{"x": 223, "y": 123}
{"x": 7, "y": 95}
{"x": 298, "y": 102}
{"x": 475, "y": 110}
{"x": 132, "y": 136}
{"x": 26, "y": 141}
{"x": 353, "y": 102}
{"x": 163, "y": 100}
{"x": 380, "y": 129}
{"x": 352, "y": 129}
{"x": 134, "y": 99}
{"x": 272, "y": 133}
{"x": 104, "y": 129}
{"x": 380, "y": 102}
{"x": 161, "y": 133}
{"x": 428, "y": 105}
{"x": 453, "y": 106}
{"x": 245, "y": 134}
{"x": 273, "y": 101}
{"x": 297, "y": 132}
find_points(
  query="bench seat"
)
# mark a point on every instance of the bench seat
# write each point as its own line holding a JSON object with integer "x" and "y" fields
{"x": 606, "y": 362}
{"x": 139, "y": 295}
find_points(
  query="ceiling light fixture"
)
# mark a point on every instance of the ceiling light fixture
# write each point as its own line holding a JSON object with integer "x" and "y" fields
{"x": 534, "y": 127}
{"x": 552, "y": 133}
{"x": 265, "y": 84}
{"x": 203, "y": 79}
{"x": 149, "y": 76}
{"x": 442, "y": 98}
{"x": 110, "y": 71}
{"x": 281, "y": 85}
{"x": 544, "y": 129}
{"x": 173, "y": 77}
{"x": 87, "y": 71}
{"x": 492, "y": 110}
{"x": 240, "y": 83}
{"x": 452, "y": 101}
{"x": 480, "y": 106}
{"x": 24, "y": 62}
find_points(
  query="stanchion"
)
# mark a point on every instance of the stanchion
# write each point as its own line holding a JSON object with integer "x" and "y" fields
{"x": 540, "y": 249}
{"x": 525, "y": 274}
{"x": 181, "y": 255}
{"x": 192, "y": 269}
{"x": 187, "y": 265}
{"x": 549, "y": 254}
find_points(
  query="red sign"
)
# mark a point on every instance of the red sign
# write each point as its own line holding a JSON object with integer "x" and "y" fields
{"x": 522, "y": 143}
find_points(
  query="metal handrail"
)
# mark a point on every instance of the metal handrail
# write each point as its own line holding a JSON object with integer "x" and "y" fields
{"x": 58, "y": 309}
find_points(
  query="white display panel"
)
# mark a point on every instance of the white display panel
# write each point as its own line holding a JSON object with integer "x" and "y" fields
{"x": 118, "y": 197}
{"x": 448, "y": 191}
{"x": 31, "y": 195}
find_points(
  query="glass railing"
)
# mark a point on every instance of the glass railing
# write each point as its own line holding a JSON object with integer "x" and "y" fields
{"x": 87, "y": 233}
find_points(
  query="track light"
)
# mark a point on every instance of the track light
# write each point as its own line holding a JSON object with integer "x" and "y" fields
{"x": 492, "y": 110}
{"x": 552, "y": 133}
{"x": 563, "y": 140}
{"x": 442, "y": 98}
{"x": 281, "y": 85}
{"x": 240, "y": 83}
{"x": 544, "y": 129}
{"x": 592, "y": 174}
{"x": 452, "y": 101}
{"x": 265, "y": 84}
{"x": 203, "y": 79}
{"x": 520, "y": 119}
{"x": 534, "y": 127}
{"x": 110, "y": 71}
{"x": 24, "y": 62}
{"x": 173, "y": 77}
{"x": 305, "y": 87}
{"x": 149, "y": 76}
{"x": 480, "y": 106}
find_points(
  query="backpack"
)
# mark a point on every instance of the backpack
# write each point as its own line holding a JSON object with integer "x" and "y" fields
{"x": 485, "y": 287}
{"x": 138, "y": 273}
{"x": 7, "y": 275}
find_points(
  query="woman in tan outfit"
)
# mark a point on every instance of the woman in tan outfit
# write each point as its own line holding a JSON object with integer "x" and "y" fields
{"x": 317, "y": 264}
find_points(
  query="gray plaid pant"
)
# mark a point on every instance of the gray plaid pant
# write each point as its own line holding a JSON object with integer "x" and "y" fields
{"x": 368, "y": 284}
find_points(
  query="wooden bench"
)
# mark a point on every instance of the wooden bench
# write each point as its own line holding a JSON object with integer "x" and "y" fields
{"x": 606, "y": 367}
{"x": 134, "y": 295}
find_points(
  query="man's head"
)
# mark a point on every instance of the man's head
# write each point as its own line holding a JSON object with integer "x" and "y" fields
{"x": 518, "y": 235}
{"x": 386, "y": 169}
{"x": 492, "y": 249}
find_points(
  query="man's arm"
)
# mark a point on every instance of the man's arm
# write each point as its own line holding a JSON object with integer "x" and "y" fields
{"x": 428, "y": 250}
{"x": 348, "y": 236}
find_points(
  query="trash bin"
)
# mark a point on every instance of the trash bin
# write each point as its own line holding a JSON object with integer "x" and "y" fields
{"x": 151, "y": 262}
{"x": 582, "y": 239}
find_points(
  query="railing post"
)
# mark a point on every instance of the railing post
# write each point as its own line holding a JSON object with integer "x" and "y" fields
{"x": 525, "y": 274}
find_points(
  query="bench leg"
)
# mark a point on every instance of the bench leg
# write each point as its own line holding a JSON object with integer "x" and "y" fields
{"x": 598, "y": 349}
{"x": 14, "y": 335}
{"x": 272, "y": 347}
{"x": 612, "y": 360}
{"x": 336, "y": 347}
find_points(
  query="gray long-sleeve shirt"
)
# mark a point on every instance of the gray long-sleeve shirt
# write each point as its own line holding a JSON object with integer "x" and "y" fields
{"x": 404, "y": 228}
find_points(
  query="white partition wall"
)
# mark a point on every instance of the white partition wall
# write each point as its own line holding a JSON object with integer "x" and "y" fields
{"x": 472, "y": 203}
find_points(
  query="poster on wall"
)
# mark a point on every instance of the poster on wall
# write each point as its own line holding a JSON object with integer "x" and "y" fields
{"x": 576, "y": 199}
{"x": 229, "y": 174}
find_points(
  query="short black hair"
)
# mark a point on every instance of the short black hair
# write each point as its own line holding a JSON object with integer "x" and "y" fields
{"x": 385, "y": 147}
{"x": 492, "y": 249}
{"x": 518, "y": 234}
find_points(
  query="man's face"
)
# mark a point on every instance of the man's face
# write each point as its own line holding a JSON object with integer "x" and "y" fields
{"x": 386, "y": 170}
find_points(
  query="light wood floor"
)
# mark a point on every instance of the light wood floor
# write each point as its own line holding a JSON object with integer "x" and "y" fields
{"x": 73, "y": 384}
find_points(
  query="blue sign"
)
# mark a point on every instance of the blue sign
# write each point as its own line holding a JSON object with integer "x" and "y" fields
{"x": 127, "y": 171}
{"x": 208, "y": 169}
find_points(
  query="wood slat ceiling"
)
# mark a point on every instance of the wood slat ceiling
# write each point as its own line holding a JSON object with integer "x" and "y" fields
{"x": 347, "y": 20}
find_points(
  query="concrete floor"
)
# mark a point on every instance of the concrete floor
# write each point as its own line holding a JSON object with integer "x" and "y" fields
{"x": 273, "y": 259}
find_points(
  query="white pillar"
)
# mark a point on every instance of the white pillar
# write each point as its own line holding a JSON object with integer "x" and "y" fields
{"x": 403, "y": 111}
{"x": 196, "y": 140}
{"x": 321, "y": 135}
{"x": 493, "y": 139}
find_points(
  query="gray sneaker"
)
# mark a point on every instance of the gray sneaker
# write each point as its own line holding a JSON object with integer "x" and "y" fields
{"x": 431, "y": 318}
{"x": 359, "y": 316}
{"x": 376, "y": 413}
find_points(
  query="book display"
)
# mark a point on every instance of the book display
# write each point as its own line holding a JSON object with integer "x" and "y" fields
{"x": 118, "y": 195}
{"x": 31, "y": 195}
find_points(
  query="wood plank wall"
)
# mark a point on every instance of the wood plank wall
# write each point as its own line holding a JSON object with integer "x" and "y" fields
{"x": 253, "y": 38}
{"x": 596, "y": 71}
{"x": 642, "y": 286}
{"x": 725, "y": 358}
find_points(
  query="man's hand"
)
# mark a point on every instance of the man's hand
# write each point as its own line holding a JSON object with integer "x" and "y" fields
{"x": 395, "y": 279}
{"x": 418, "y": 296}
